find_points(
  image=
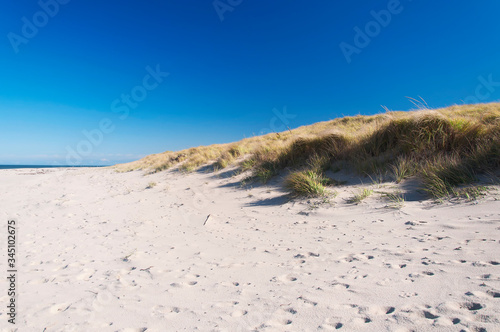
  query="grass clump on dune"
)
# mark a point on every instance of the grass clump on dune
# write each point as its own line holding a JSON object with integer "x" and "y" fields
{"x": 445, "y": 173}
{"x": 359, "y": 197}
{"x": 228, "y": 157}
{"x": 307, "y": 183}
{"x": 403, "y": 168}
{"x": 444, "y": 153}
{"x": 396, "y": 200}
{"x": 316, "y": 153}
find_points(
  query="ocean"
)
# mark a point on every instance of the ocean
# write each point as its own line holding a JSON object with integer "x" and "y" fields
{"x": 39, "y": 166}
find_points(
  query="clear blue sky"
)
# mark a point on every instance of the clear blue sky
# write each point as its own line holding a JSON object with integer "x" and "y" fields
{"x": 225, "y": 76}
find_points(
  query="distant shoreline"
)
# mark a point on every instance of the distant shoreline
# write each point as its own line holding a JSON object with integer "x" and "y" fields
{"x": 42, "y": 166}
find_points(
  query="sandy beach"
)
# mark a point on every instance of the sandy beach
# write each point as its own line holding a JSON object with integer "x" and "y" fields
{"x": 262, "y": 166}
{"x": 105, "y": 251}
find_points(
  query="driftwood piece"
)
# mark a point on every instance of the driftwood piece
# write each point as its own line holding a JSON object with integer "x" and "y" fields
{"x": 206, "y": 220}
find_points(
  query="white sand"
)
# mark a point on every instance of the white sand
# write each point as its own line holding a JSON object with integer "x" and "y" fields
{"x": 100, "y": 252}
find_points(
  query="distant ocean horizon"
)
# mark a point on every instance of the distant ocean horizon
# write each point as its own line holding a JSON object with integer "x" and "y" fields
{"x": 43, "y": 166}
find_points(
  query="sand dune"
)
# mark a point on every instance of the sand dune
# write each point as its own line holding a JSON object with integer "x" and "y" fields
{"x": 98, "y": 251}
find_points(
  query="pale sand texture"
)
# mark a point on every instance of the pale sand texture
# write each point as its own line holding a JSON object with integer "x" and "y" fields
{"x": 98, "y": 251}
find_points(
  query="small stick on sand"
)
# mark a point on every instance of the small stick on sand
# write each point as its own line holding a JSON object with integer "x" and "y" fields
{"x": 206, "y": 220}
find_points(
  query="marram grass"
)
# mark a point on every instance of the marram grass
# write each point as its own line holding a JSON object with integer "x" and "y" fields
{"x": 306, "y": 183}
{"x": 446, "y": 148}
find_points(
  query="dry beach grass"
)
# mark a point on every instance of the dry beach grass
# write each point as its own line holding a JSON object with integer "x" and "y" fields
{"x": 446, "y": 149}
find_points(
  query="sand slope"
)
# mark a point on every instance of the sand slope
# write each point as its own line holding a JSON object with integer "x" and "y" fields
{"x": 100, "y": 252}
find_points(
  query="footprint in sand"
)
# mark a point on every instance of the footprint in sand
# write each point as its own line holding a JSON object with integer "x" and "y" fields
{"x": 360, "y": 321}
{"x": 488, "y": 277}
{"x": 307, "y": 302}
{"x": 225, "y": 304}
{"x": 279, "y": 322}
{"x": 191, "y": 276}
{"x": 332, "y": 324}
{"x": 175, "y": 310}
{"x": 354, "y": 258}
{"x": 430, "y": 315}
{"x": 159, "y": 311}
{"x": 493, "y": 294}
{"x": 285, "y": 278}
{"x": 472, "y": 306}
{"x": 486, "y": 319}
{"x": 379, "y": 310}
{"x": 390, "y": 310}
{"x": 85, "y": 275}
{"x": 339, "y": 285}
{"x": 239, "y": 313}
{"x": 384, "y": 282}
{"x": 483, "y": 295}
{"x": 60, "y": 307}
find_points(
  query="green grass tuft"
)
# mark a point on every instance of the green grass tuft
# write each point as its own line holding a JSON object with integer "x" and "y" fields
{"x": 359, "y": 197}
{"x": 307, "y": 183}
{"x": 403, "y": 168}
{"x": 396, "y": 200}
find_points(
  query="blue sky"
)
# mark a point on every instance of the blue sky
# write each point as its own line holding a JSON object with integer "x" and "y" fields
{"x": 204, "y": 72}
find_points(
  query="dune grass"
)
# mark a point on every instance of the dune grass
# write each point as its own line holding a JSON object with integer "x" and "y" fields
{"x": 396, "y": 200}
{"x": 446, "y": 148}
{"x": 359, "y": 197}
{"x": 307, "y": 183}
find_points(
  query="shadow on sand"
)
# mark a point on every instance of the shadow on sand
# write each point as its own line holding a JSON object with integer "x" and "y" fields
{"x": 273, "y": 201}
